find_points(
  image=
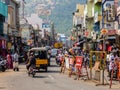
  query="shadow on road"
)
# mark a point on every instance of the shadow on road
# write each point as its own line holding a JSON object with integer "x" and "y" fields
{"x": 49, "y": 71}
{"x": 40, "y": 76}
{"x": 54, "y": 66}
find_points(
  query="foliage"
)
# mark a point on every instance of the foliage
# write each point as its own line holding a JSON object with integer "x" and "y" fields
{"x": 61, "y": 13}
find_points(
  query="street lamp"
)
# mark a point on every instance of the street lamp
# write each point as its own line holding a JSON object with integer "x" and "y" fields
{"x": 104, "y": 33}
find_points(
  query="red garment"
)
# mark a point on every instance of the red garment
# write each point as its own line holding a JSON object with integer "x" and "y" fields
{"x": 109, "y": 48}
{"x": 9, "y": 61}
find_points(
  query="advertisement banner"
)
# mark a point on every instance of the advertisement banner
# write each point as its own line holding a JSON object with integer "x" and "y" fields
{"x": 79, "y": 60}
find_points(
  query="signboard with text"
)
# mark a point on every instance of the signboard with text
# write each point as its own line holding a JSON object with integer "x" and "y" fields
{"x": 111, "y": 32}
{"x": 79, "y": 60}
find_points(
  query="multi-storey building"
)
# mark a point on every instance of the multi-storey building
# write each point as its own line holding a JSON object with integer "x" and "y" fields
{"x": 97, "y": 15}
{"x": 13, "y": 34}
{"x": 118, "y": 23}
{"x": 3, "y": 16}
{"x": 90, "y": 17}
{"x": 13, "y": 17}
{"x": 78, "y": 20}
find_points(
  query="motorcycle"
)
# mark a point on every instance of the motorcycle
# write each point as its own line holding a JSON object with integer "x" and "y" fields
{"x": 58, "y": 60}
{"x": 31, "y": 71}
{"x": 3, "y": 65}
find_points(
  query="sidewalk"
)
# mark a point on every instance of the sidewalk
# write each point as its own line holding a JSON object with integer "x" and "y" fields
{"x": 115, "y": 84}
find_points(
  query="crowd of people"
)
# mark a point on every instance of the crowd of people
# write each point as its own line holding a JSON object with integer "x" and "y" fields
{"x": 12, "y": 60}
{"x": 111, "y": 60}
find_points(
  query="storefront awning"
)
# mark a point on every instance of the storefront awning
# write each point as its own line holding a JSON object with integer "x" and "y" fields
{"x": 108, "y": 38}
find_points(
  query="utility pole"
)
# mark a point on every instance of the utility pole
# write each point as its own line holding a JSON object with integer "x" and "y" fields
{"x": 23, "y": 7}
{"x": 53, "y": 33}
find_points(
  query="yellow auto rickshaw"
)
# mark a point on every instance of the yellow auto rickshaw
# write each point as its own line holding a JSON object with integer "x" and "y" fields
{"x": 41, "y": 58}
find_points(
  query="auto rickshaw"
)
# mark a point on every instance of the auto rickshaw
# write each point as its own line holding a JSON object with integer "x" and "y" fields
{"x": 41, "y": 58}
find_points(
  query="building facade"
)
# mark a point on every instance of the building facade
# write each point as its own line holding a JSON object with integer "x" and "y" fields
{"x": 78, "y": 19}
{"x": 97, "y": 15}
{"x": 3, "y": 16}
{"x": 90, "y": 17}
{"x": 13, "y": 26}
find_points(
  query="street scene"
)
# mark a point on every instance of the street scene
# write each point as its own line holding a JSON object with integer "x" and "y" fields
{"x": 52, "y": 80}
{"x": 59, "y": 44}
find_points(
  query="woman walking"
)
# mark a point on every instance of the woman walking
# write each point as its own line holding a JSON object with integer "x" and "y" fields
{"x": 9, "y": 60}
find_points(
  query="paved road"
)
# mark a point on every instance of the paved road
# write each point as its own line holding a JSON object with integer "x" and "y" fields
{"x": 52, "y": 80}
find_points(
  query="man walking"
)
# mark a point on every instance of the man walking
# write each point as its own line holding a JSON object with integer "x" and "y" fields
{"x": 15, "y": 62}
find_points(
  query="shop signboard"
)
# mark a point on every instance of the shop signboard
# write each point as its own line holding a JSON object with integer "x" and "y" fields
{"x": 104, "y": 31}
{"x": 111, "y": 32}
{"x": 79, "y": 60}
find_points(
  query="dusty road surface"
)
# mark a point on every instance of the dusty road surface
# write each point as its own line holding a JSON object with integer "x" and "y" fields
{"x": 51, "y": 80}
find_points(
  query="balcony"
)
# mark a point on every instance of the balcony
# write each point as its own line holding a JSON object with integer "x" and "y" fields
{"x": 97, "y": 1}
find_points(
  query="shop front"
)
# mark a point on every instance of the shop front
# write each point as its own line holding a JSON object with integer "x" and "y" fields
{"x": 3, "y": 48}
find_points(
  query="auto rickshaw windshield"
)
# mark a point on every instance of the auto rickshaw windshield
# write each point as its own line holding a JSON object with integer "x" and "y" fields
{"x": 41, "y": 54}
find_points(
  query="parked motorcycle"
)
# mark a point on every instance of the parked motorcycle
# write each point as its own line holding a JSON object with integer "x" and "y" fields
{"x": 3, "y": 65}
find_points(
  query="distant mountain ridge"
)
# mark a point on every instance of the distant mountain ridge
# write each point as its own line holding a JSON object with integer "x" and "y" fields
{"x": 60, "y": 11}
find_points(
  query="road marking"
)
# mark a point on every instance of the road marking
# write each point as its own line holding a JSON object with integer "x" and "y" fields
{"x": 51, "y": 77}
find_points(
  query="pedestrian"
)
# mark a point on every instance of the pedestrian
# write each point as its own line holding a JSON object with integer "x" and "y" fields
{"x": 111, "y": 66}
{"x": 30, "y": 60}
{"x": 9, "y": 60}
{"x": 72, "y": 65}
{"x": 15, "y": 62}
{"x": 108, "y": 60}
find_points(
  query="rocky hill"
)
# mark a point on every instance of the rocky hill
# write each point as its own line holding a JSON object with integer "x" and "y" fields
{"x": 58, "y": 11}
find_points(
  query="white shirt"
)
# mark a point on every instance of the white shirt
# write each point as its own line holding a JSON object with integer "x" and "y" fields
{"x": 15, "y": 57}
{"x": 111, "y": 65}
{"x": 108, "y": 57}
